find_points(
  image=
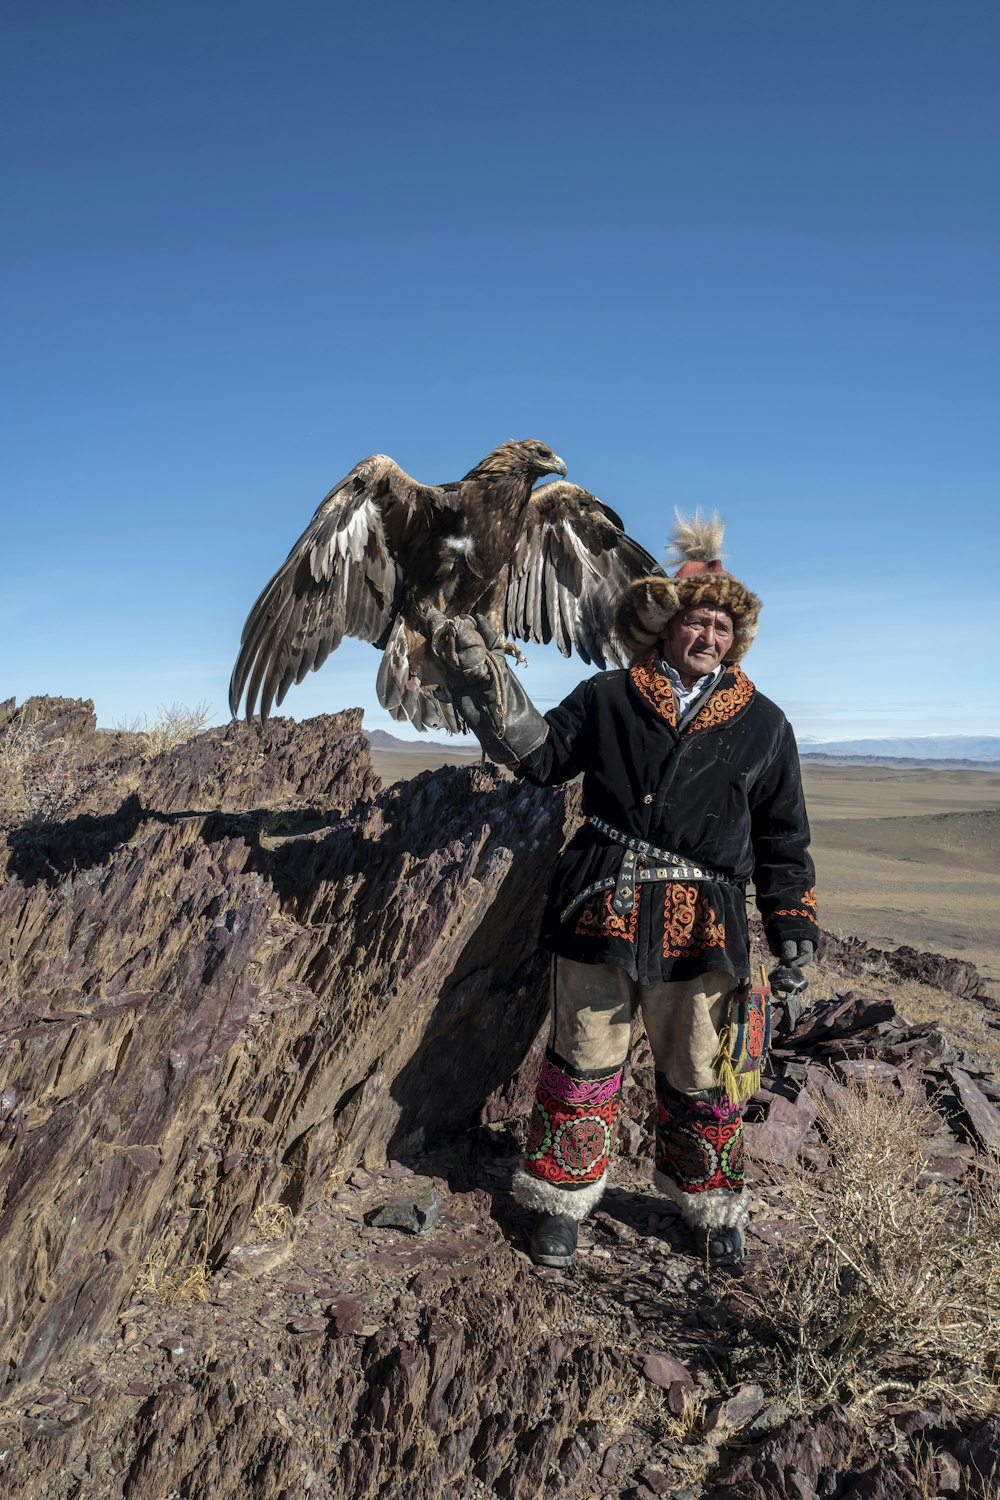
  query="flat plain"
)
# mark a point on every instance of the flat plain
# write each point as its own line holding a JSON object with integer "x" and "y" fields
{"x": 909, "y": 855}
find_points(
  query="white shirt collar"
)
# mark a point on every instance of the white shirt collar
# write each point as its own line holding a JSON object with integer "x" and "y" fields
{"x": 685, "y": 696}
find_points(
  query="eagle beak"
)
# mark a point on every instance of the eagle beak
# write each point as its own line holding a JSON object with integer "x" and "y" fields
{"x": 558, "y": 466}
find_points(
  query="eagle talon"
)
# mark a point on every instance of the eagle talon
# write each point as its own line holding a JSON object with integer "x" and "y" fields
{"x": 512, "y": 649}
{"x": 439, "y": 632}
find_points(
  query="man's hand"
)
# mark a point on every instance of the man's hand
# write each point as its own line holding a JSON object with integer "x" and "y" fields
{"x": 788, "y": 981}
{"x": 787, "y": 977}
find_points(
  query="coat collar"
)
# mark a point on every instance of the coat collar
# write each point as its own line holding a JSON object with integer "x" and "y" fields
{"x": 731, "y": 694}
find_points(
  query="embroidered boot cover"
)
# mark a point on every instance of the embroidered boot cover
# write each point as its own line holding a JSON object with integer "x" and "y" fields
{"x": 569, "y": 1138}
{"x": 699, "y": 1140}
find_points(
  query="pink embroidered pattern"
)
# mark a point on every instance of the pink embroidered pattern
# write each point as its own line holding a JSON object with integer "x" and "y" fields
{"x": 578, "y": 1091}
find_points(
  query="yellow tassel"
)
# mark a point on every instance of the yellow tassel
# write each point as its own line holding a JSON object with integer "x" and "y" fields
{"x": 740, "y": 1086}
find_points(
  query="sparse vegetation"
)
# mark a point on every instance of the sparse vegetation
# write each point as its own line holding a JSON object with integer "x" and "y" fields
{"x": 879, "y": 969}
{"x": 889, "y": 1289}
{"x": 190, "y": 1284}
{"x": 273, "y": 1221}
{"x": 187, "y": 1283}
{"x": 687, "y": 1425}
{"x": 40, "y": 782}
{"x": 172, "y": 726}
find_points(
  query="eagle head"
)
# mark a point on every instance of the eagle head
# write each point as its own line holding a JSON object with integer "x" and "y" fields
{"x": 526, "y": 457}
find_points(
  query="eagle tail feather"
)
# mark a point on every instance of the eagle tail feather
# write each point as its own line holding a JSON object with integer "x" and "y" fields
{"x": 409, "y": 685}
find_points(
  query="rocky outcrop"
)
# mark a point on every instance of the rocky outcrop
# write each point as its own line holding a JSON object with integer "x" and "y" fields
{"x": 441, "y": 1370}
{"x": 208, "y": 1010}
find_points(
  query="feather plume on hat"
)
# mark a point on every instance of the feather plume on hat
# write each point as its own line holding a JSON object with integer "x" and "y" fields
{"x": 651, "y": 603}
{"x": 695, "y": 539}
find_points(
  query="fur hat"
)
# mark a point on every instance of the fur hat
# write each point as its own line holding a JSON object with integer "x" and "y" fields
{"x": 651, "y": 603}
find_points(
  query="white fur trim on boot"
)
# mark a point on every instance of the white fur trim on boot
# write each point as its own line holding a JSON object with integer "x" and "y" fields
{"x": 546, "y": 1198}
{"x": 718, "y": 1208}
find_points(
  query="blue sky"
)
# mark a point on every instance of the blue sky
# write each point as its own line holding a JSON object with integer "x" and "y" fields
{"x": 743, "y": 256}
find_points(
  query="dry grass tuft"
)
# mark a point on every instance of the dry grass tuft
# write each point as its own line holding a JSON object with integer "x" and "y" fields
{"x": 273, "y": 1221}
{"x": 925, "y": 1465}
{"x": 890, "y": 1290}
{"x": 687, "y": 1425}
{"x": 191, "y": 1283}
{"x": 188, "y": 1284}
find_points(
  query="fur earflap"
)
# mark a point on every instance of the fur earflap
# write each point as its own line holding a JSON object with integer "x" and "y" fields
{"x": 651, "y": 603}
{"x": 647, "y": 608}
{"x": 695, "y": 539}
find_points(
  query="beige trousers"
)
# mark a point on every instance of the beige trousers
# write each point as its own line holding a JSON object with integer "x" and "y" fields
{"x": 593, "y": 1006}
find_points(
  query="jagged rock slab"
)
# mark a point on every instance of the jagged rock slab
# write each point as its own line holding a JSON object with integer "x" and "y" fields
{"x": 221, "y": 1011}
{"x": 982, "y": 1116}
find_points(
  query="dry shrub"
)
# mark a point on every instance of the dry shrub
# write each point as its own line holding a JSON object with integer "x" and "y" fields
{"x": 172, "y": 726}
{"x": 18, "y": 743}
{"x": 890, "y": 1289}
{"x": 18, "y": 746}
{"x": 40, "y": 782}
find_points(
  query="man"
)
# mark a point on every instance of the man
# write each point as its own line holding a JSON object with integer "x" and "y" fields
{"x": 691, "y": 787}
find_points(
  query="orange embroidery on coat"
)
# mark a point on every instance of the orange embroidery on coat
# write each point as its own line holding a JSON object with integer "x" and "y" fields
{"x": 807, "y": 911}
{"x": 726, "y": 702}
{"x": 656, "y": 689}
{"x": 600, "y": 920}
{"x": 690, "y": 924}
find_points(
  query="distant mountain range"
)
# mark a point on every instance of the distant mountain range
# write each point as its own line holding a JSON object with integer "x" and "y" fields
{"x": 929, "y": 747}
{"x": 981, "y": 748}
{"x": 457, "y": 744}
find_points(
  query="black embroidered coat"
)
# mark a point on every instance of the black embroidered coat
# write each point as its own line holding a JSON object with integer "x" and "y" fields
{"x": 725, "y": 792}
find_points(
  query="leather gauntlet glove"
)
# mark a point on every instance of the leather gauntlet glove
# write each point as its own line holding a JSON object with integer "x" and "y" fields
{"x": 484, "y": 690}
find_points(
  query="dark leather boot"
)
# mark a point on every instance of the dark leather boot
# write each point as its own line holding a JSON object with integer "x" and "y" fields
{"x": 725, "y": 1245}
{"x": 553, "y": 1240}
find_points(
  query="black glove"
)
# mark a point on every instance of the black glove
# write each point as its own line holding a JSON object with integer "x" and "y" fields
{"x": 787, "y": 980}
{"x": 798, "y": 951}
{"x": 484, "y": 690}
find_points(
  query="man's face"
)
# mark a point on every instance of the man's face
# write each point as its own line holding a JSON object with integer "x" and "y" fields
{"x": 697, "y": 640}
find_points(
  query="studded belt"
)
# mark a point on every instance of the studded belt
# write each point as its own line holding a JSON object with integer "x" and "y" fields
{"x": 641, "y": 863}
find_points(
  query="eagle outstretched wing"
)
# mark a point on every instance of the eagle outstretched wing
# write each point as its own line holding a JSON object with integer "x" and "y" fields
{"x": 572, "y": 564}
{"x": 341, "y": 578}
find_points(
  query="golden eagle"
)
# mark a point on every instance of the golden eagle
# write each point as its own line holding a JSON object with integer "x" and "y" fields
{"x": 384, "y": 557}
